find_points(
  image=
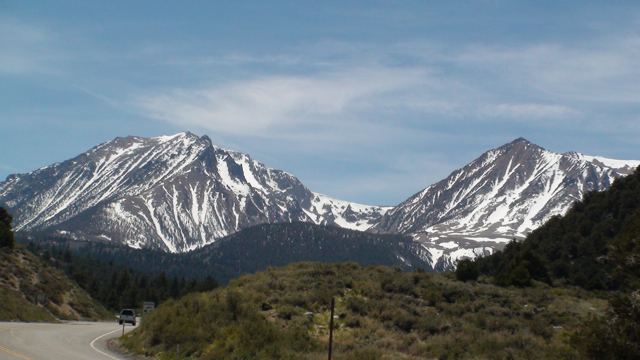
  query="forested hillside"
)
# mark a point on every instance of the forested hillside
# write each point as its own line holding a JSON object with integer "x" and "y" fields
{"x": 256, "y": 248}
{"x": 148, "y": 261}
{"x": 574, "y": 248}
{"x": 121, "y": 285}
{"x": 246, "y": 251}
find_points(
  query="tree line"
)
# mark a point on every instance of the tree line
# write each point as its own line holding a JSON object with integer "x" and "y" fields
{"x": 115, "y": 286}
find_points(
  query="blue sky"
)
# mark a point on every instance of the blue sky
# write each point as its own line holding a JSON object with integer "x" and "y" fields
{"x": 365, "y": 101}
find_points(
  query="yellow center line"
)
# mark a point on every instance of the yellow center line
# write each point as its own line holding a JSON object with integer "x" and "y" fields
{"x": 14, "y": 353}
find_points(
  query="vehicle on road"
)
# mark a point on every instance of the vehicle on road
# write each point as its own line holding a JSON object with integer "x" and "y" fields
{"x": 127, "y": 316}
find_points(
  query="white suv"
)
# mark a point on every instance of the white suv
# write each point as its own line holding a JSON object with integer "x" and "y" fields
{"x": 127, "y": 316}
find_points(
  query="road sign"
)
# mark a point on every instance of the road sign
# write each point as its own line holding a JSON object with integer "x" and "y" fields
{"x": 148, "y": 306}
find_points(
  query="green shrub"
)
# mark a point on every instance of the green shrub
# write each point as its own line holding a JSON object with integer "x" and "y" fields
{"x": 520, "y": 276}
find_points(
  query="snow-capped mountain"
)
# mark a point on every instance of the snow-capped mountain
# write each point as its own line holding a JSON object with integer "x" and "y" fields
{"x": 176, "y": 193}
{"x": 180, "y": 192}
{"x": 503, "y": 194}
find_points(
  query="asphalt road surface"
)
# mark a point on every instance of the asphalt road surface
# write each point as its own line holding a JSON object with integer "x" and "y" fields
{"x": 66, "y": 341}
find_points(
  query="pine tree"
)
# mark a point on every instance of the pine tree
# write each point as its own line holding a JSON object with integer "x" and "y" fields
{"x": 6, "y": 232}
{"x": 466, "y": 270}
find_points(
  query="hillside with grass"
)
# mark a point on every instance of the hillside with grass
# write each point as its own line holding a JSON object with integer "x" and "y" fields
{"x": 381, "y": 312}
{"x": 30, "y": 290}
{"x": 23, "y": 276}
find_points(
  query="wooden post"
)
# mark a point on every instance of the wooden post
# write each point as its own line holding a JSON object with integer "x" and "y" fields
{"x": 331, "y": 328}
{"x": 178, "y": 352}
{"x": 123, "y": 323}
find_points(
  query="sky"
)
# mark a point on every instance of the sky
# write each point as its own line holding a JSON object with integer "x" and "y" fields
{"x": 366, "y": 101}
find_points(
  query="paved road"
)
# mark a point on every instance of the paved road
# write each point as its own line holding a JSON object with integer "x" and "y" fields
{"x": 67, "y": 341}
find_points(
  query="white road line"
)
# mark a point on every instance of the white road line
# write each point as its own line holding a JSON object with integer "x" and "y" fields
{"x": 99, "y": 337}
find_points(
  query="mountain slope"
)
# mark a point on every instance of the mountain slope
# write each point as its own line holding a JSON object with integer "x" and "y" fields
{"x": 176, "y": 193}
{"x": 595, "y": 246}
{"x": 23, "y": 276}
{"x": 504, "y": 194}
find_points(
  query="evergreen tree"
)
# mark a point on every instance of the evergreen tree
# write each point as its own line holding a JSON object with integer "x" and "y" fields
{"x": 6, "y": 231}
{"x": 466, "y": 270}
{"x": 174, "y": 289}
{"x": 207, "y": 285}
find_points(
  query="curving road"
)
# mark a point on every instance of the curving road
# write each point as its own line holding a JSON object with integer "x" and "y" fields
{"x": 67, "y": 341}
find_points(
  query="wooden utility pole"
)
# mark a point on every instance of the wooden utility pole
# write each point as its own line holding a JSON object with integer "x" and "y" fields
{"x": 331, "y": 328}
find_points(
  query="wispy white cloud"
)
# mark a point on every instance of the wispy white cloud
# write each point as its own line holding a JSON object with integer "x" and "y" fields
{"x": 26, "y": 48}
{"x": 257, "y": 106}
{"x": 530, "y": 112}
{"x": 603, "y": 70}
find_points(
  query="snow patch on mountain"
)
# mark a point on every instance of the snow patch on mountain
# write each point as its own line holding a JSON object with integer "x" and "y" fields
{"x": 623, "y": 166}
{"x": 326, "y": 210}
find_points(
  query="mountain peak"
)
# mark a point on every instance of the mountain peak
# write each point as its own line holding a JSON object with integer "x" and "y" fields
{"x": 519, "y": 145}
{"x": 521, "y": 142}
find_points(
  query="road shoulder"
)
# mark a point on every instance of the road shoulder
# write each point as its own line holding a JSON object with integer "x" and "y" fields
{"x": 114, "y": 346}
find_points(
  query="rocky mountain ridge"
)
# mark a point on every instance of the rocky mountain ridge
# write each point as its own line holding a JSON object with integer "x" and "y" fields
{"x": 504, "y": 194}
{"x": 176, "y": 193}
